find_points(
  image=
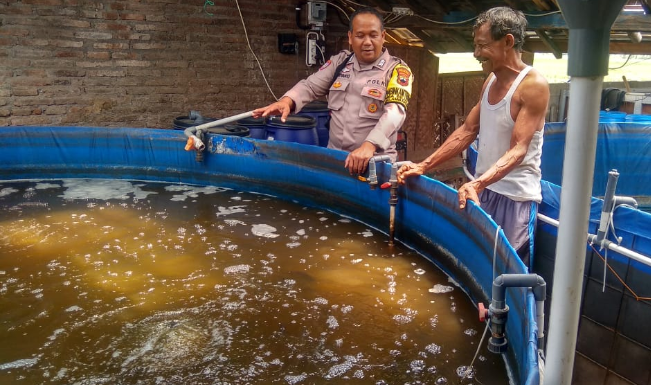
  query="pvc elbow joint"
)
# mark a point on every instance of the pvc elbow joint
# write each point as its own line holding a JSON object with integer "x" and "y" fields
{"x": 194, "y": 143}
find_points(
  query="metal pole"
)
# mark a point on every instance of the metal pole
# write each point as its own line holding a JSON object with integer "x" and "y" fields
{"x": 578, "y": 172}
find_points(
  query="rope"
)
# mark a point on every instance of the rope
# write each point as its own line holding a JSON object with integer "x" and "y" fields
{"x": 637, "y": 297}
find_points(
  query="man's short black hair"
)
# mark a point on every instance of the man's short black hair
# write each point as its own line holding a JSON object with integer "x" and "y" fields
{"x": 366, "y": 10}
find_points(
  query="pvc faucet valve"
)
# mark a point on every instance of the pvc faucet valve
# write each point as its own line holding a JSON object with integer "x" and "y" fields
{"x": 483, "y": 312}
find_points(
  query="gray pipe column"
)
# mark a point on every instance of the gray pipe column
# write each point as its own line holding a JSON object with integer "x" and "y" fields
{"x": 589, "y": 22}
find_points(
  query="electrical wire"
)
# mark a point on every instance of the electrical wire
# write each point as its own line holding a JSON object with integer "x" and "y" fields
{"x": 339, "y": 8}
{"x": 246, "y": 35}
{"x": 623, "y": 65}
{"x": 445, "y": 22}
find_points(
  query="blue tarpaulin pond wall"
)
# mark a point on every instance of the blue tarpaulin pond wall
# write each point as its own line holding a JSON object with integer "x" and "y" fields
{"x": 461, "y": 243}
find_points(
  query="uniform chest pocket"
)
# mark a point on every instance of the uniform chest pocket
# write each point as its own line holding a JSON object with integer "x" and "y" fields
{"x": 337, "y": 94}
{"x": 372, "y": 102}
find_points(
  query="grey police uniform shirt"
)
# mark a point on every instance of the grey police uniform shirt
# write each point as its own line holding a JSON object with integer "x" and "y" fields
{"x": 367, "y": 102}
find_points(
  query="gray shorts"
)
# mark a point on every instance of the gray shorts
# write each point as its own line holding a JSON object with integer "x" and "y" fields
{"x": 517, "y": 219}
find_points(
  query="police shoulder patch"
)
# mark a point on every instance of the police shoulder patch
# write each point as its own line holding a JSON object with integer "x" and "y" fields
{"x": 399, "y": 87}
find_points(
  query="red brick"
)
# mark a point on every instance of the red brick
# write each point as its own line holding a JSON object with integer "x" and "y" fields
{"x": 40, "y": 120}
{"x": 43, "y": 2}
{"x": 69, "y": 73}
{"x": 98, "y": 55}
{"x": 24, "y": 91}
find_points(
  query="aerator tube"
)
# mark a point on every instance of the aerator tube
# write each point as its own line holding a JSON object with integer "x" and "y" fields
{"x": 393, "y": 199}
{"x": 498, "y": 310}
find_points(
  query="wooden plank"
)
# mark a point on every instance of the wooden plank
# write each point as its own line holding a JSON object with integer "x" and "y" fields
{"x": 549, "y": 43}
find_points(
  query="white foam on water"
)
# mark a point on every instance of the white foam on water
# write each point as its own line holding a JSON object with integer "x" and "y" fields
{"x": 417, "y": 366}
{"x": 409, "y": 316}
{"x": 300, "y": 232}
{"x": 441, "y": 289}
{"x": 230, "y": 210}
{"x": 419, "y": 271}
{"x": 103, "y": 189}
{"x": 293, "y": 245}
{"x": 332, "y": 322}
{"x": 433, "y": 348}
{"x": 367, "y": 233}
{"x": 233, "y": 222}
{"x": 292, "y": 380}
{"x": 73, "y": 308}
{"x": 466, "y": 372}
{"x": 338, "y": 370}
{"x": 7, "y": 191}
{"x": 237, "y": 269}
{"x": 23, "y": 363}
{"x": 262, "y": 230}
{"x": 470, "y": 332}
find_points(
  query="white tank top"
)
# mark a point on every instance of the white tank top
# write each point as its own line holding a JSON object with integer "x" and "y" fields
{"x": 495, "y": 131}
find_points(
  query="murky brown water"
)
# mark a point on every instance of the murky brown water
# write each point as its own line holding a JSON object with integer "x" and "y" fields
{"x": 116, "y": 282}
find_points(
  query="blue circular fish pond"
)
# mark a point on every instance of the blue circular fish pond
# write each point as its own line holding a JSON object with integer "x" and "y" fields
{"x": 464, "y": 244}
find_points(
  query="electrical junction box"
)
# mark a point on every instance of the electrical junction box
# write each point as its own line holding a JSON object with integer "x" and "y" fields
{"x": 316, "y": 13}
{"x": 287, "y": 43}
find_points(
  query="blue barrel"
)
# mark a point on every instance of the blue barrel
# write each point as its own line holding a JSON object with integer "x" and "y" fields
{"x": 229, "y": 130}
{"x": 299, "y": 129}
{"x": 256, "y": 126}
{"x": 611, "y": 116}
{"x": 638, "y": 118}
{"x": 321, "y": 113}
{"x": 193, "y": 119}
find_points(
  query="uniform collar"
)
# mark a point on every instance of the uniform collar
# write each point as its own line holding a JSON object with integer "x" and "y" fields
{"x": 380, "y": 63}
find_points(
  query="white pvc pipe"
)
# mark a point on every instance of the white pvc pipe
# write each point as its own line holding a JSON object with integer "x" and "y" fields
{"x": 578, "y": 172}
{"x": 610, "y": 245}
{"x": 220, "y": 122}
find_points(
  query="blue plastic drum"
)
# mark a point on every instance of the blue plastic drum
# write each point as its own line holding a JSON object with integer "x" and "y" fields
{"x": 319, "y": 111}
{"x": 299, "y": 129}
{"x": 256, "y": 126}
{"x": 611, "y": 116}
{"x": 638, "y": 118}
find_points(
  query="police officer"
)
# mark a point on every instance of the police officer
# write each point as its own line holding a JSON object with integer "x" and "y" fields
{"x": 368, "y": 93}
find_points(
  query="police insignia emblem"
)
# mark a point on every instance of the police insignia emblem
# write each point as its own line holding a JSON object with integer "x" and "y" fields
{"x": 336, "y": 84}
{"x": 374, "y": 92}
{"x": 324, "y": 66}
{"x": 403, "y": 76}
{"x": 372, "y": 107}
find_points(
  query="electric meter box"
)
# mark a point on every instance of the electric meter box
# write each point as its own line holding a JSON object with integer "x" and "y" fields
{"x": 316, "y": 13}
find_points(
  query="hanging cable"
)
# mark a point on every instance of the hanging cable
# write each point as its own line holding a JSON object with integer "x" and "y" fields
{"x": 246, "y": 35}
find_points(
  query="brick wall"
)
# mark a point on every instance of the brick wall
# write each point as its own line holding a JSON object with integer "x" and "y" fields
{"x": 140, "y": 63}
{"x": 127, "y": 63}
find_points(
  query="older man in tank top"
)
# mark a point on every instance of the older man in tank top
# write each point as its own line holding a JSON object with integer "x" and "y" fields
{"x": 368, "y": 93}
{"x": 508, "y": 121}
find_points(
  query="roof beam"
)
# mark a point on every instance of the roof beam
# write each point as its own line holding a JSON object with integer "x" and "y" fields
{"x": 633, "y": 23}
{"x": 549, "y": 43}
{"x": 429, "y": 42}
{"x": 459, "y": 39}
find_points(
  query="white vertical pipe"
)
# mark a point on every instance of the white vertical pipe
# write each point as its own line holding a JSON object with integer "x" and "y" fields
{"x": 576, "y": 192}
